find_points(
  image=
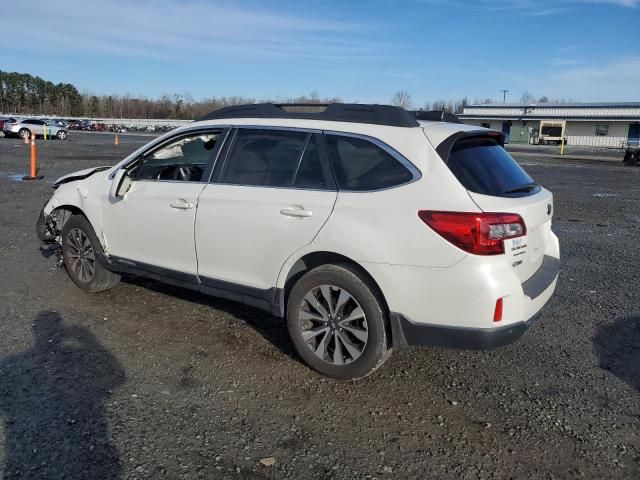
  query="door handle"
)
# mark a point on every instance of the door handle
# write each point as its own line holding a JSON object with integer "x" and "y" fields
{"x": 296, "y": 212}
{"x": 181, "y": 204}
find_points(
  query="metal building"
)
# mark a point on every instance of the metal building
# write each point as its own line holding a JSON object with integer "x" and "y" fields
{"x": 587, "y": 124}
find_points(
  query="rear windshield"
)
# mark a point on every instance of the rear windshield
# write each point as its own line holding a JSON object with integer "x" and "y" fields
{"x": 481, "y": 165}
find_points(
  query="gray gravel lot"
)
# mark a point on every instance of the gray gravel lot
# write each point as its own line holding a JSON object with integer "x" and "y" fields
{"x": 150, "y": 381}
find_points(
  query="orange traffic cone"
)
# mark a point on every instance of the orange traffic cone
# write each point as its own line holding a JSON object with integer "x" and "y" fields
{"x": 26, "y": 139}
{"x": 33, "y": 167}
{"x": 116, "y": 142}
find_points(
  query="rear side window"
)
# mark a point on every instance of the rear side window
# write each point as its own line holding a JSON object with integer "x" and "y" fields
{"x": 361, "y": 165}
{"x": 483, "y": 166}
{"x": 277, "y": 158}
{"x": 264, "y": 158}
{"x": 310, "y": 173}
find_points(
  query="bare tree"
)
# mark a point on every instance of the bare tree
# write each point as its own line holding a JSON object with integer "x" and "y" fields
{"x": 402, "y": 99}
{"x": 527, "y": 98}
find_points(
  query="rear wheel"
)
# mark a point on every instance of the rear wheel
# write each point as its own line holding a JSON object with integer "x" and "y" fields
{"x": 61, "y": 134}
{"x": 81, "y": 250}
{"x": 24, "y": 132}
{"x": 337, "y": 322}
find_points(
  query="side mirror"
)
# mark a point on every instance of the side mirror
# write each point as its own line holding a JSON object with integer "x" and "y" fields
{"x": 120, "y": 184}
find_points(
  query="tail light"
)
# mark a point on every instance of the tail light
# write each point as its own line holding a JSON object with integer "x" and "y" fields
{"x": 497, "y": 312}
{"x": 477, "y": 233}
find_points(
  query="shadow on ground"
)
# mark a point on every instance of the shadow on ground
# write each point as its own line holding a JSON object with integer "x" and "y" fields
{"x": 272, "y": 328}
{"x": 52, "y": 401}
{"x": 618, "y": 348}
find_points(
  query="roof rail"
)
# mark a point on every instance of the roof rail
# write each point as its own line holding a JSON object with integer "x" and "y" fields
{"x": 437, "y": 116}
{"x": 335, "y": 112}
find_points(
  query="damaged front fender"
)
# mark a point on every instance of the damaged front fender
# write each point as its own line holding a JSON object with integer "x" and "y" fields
{"x": 46, "y": 228}
{"x": 79, "y": 175}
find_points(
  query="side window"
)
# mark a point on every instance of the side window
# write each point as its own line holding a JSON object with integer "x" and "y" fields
{"x": 263, "y": 158}
{"x": 310, "y": 173}
{"x": 183, "y": 159}
{"x": 361, "y": 165}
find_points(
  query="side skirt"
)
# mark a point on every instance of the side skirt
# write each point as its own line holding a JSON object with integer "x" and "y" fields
{"x": 267, "y": 300}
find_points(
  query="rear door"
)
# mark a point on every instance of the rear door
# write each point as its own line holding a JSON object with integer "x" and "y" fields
{"x": 35, "y": 126}
{"x": 271, "y": 194}
{"x": 496, "y": 183}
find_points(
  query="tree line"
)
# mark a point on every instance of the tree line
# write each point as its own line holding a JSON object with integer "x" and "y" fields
{"x": 24, "y": 93}
{"x": 403, "y": 99}
{"x": 21, "y": 93}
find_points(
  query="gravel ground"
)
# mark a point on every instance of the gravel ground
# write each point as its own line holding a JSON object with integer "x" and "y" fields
{"x": 150, "y": 381}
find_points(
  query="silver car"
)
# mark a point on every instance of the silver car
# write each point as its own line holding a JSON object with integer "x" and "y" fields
{"x": 27, "y": 127}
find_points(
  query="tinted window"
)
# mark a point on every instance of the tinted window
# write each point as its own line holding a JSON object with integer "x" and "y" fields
{"x": 263, "y": 158}
{"x": 310, "y": 173}
{"x": 361, "y": 165}
{"x": 481, "y": 165}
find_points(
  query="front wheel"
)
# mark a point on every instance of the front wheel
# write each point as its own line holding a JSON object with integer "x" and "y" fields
{"x": 81, "y": 250}
{"x": 61, "y": 134}
{"x": 337, "y": 322}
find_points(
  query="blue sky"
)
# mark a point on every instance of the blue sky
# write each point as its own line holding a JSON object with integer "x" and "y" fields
{"x": 585, "y": 50}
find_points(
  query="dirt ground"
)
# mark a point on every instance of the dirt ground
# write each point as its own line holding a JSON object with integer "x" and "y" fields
{"x": 148, "y": 381}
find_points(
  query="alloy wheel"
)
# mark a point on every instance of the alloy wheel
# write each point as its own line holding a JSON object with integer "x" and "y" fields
{"x": 333, "y": 324}
{"x": 80, "y": 254}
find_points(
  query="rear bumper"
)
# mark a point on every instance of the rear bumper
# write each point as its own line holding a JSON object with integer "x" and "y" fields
{"x": 536, "y": 292}
{"x": 404, "y": 333}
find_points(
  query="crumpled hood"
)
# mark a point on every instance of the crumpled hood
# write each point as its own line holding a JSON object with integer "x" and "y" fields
{"x": 79, "y": 175}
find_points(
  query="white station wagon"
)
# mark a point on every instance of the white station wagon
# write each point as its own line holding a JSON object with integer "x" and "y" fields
{"x": 368, "y": 227}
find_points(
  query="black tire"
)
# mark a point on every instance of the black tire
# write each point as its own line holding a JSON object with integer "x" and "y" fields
{"x": 61, "y": 135}
{"x": 76, "y": 228}
{"x": 24, "y": 132}
{"x": 376, "y": 349}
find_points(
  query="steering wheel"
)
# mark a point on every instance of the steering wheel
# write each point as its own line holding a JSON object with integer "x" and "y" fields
{"x": 182, "y": 172}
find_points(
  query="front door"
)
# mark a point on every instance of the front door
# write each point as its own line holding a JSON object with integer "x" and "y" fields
{"x": 152, "y": 227}
{"x": 269, "y": 199}
{"x": 634, "y": 134}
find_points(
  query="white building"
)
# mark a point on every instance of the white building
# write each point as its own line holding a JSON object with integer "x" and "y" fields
{"x": 587, "y": 124}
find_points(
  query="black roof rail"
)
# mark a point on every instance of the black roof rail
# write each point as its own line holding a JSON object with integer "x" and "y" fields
{"x": 334, "y": 112}
{"x": 437, "y": 116}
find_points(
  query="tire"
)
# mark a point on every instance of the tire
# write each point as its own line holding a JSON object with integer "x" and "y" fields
{"x": 83, "y": 264}
{"x": 328, "y": 342}
{"x": 24, "y": 132}
{"x": 61, "y": 134}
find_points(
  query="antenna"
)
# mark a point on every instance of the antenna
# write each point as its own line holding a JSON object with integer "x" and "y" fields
{"x": 504, "y": 95}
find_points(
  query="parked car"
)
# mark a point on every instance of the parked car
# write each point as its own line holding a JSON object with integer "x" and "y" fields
{"x": 27, "y": 127}
{"x": 366, "y": 227}
{"x": 4, "y": 123}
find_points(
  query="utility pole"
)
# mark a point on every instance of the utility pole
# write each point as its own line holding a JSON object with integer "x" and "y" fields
{"x": 504, "y": 95}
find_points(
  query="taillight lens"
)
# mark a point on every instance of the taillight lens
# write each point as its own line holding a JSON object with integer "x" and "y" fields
{"x": 477, "y": 233}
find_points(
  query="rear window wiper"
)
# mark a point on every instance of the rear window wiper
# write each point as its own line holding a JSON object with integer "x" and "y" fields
{"x": 527, "y": 187}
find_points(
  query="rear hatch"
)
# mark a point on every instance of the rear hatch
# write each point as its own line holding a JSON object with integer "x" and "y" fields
{"x": 496, "y": 183}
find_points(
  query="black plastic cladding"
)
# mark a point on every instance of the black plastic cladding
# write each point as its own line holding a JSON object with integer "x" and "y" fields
{"x": 335, "y": 112}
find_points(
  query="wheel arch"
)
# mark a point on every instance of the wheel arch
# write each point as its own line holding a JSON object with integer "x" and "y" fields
{"x": 312, "y": 260}
{"x": 62, "y": 213}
